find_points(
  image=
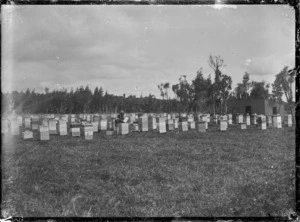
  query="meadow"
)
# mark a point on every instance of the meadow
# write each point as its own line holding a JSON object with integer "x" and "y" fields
{"x": 236, "y": 173}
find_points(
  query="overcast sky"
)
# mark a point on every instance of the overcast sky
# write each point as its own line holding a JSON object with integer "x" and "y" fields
{"x": 132, "y": 49}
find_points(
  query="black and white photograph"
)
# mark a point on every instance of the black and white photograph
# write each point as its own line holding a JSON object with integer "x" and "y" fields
{"x": 135, "y": 110}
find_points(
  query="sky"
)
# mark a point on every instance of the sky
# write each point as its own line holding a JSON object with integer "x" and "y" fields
{"x": 133, "y": 48}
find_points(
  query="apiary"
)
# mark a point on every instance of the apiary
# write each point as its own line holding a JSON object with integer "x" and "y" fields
{"x": 143, "y": 123}
{"x": 201, "y": 126}
{"x": 176, "y": 120}
{"x": 95, "y": 125}
{"x": 103, "y": 124}
{"x": 52, "y": 126}
{"x": 254, "y": 119}
{"x": 123, "y": 128}
{"x": 27, "y": 134}
{"x": 192, "y": 125}
{"x": 5, "y": 126}
{"x": 161, "y": 125}
{"x": 170, "y": 124}
{"x": 87, "y": 131}
{"x": 183, "y": 126}
{"x": 15, "y": 127}
{"x": 43, "y": 132}
{"x": 288, "y": 120}
{"x": 152, "y": 123}
{"x": 223, "y": 125}
{"x": 243, "y": 126}
{"x": 75, "y": 129}
{"x": 61, "y": 128}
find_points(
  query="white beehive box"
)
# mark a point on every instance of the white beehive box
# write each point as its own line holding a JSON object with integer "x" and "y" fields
{"x": 143, "y": 123}
{"x": 103, "y": 124}
{"x": 75, "y": 129}
{"x": 254, "y": 119}
{"x": 269, "y": 120}
{"x": 61, "y": 128}
{"x": 87, "y": 131}
{"x": 192, "y": 125}
{"x": 161, "y": 125}
{"x": 201, "y": 126}
{"x": 288, "y": 120}
{"x": 263, "y": 126}
{"x": 52, "y": 126}
{"x": 247, "y": 120}
{"x": 176, "y": 120}
{"x": 27, "y": 134}
{"x": 123, "y": 128}
{"x": 243, "y": 126}
{"x": 183, "y": 126}
{"x": 43, "y": 132}
{"x": 170, "y": 124}
{"x": 223, "y": 125}
{"x": 239, "y": 119}
{"x": 95, "y": 125}
{"x": 277, "y": 121}
{"x": 152, "y": 123}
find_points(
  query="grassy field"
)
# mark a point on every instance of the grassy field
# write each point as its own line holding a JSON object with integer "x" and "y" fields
{"x": 233, "y": 173}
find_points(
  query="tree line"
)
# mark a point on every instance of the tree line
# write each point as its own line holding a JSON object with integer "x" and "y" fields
{"x": 202, "y": 94}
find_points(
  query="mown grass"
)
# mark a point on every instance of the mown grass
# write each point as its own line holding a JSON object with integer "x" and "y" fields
{"x": 233, "y": 173}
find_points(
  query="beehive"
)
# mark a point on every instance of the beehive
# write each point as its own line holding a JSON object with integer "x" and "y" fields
{"x": 152, "y": 123}
{"x": 61, "y": 128}
{"x": 52, "y": 126}
{"x": 223, "y": 125}
{"x": 27, "y": 134}
{"x": 277, "y": 121}
{"x": 44, "y": 121}
{"x": 134, "y": 127}
{"x": 262, "y": 126}
{"x": 239, "y": 119}
{"x": 269, "y": 118}
{"x": 15, "y": 127}
{"x": 88, "y": 118}
{"x": 192, "y": 125}
{"x": 176, "y": 120}
{"x": 243, "y": 126}
{"x": 75, "y": 129}
{"x": 87, "y": 131}
{"x": 288, "y": 120}
{"x": 254, "y": 119}
{"x": 143, "y": 123}
{"x": 34, "y": 126}
{"x": 95, "y": 125}
{"x": 183, "y": 126}
{"x": 43, "y": 132}
{"x": 5, "y": 126}
{"x": 20, "y": 120}
{"x": 173, "y": 116}
{"x": 161, "y": 124}
{"x": 208, "y": 118}
{"x": 229, "y": 119}
{"x": 170, "y": 124}
{"x": 103, "y": 124}
{"x": 123, "y": 128}
{"x": 247, "y": 120}
{"x": 201, "y": 126}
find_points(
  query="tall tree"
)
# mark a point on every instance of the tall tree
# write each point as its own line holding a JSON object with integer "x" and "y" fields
{"x": 260, "y": 90}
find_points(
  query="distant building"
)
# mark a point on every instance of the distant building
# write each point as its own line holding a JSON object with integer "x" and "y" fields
{"x": 258, "y": 106}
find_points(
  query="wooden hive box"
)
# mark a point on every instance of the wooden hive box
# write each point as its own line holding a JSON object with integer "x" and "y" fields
{"x": 75, "y": 129}
{"x": 183, "y": 126}
{"x": 5, "y": 126}
{"x": 192, "y": 125}
{"x": 161, "y": 124}
{"x": 15, "y": 127}
{"x": 223, "y": 125}
{"x": 52, "y": 126}
{"x": 254, "y": 119}
{"x": 288, "y": 120}
{"x": 247, "y": 120}
{"x": 277, "y": 121}
{"x": 123, "y": 128}
{"x": 229, "y": 119}
{"x": 243, "y": 126}
{"x": 152, "y": 123}
{"x": 262, "y": 126}
{"x": 43, "y": 132}
{"x": 170, "y": 124}
{"x": 143, "y": 123}
{"x": 134, "y": 127}
{"x": 176, "y": 121}
{"x": 103, "y": 125}
{"x": 61, "y": 128}
{"x": 87, "y": 131}
{"x": 239, "y": 119}
{"x": 27, "y": 134}
{"x": 95, "y": 125}
{"x": 269, "y": 120}
{"x": 201, "y": 126}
